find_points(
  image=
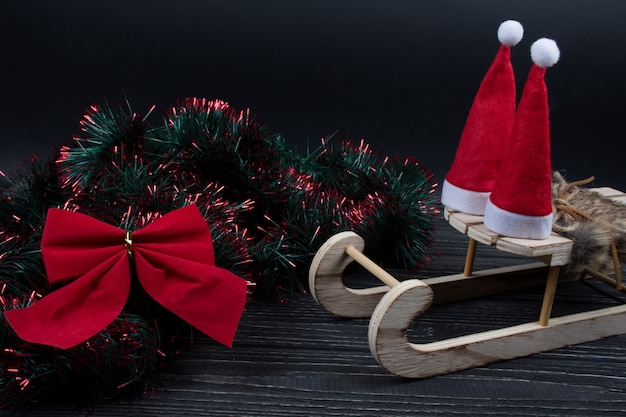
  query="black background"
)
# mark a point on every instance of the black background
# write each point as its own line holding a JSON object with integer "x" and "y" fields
{"x": 399, "y": 74}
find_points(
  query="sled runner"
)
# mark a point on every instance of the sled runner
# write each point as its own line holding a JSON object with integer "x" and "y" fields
{"x": 393, "y": 306}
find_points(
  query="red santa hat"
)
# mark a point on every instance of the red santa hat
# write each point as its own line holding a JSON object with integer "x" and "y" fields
{"x": 520, "y": 204}
{"x": 470, "y": 180}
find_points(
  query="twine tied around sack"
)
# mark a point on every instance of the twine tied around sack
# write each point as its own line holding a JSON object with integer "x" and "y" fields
{"x": 564, "y": 208}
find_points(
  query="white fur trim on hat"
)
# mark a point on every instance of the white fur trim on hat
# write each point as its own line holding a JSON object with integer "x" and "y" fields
{"x": 510, "y": 33}
{"x": 466, "y": 201}
{"x": 517, "y": 225}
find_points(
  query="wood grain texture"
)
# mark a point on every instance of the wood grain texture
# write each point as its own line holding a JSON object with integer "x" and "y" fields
{"x": 326, "y": 278}
{"x": 397, "y": 309}
{"x": 554, "y": 250}
{"x": 296, "y": 359}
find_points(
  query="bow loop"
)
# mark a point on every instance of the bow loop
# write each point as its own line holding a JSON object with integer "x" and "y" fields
{"x": 174, "y": 262}
{"x": 73, "y": 243}
{"x": 182, "y": 233}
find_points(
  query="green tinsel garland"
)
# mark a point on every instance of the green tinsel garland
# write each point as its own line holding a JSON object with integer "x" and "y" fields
{"x": 268, "y": 207}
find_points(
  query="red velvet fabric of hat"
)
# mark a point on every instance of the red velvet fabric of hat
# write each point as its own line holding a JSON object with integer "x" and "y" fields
{"x": 520, "y": 204}
{"x": 479, "y": 154}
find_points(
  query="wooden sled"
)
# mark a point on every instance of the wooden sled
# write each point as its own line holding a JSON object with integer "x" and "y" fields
{"x": 393, "y": 306}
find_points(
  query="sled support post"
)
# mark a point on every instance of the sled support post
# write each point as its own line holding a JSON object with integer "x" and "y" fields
{"x": 326, "y": 277}
{"x": 371, "y": 266}
{"x": 469, "y": 258}
{"x": 548, "y": 297}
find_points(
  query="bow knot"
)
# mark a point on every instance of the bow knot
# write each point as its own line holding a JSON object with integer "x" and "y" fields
{"x": 128, "y": 242}
{"x": 173, "y": 260}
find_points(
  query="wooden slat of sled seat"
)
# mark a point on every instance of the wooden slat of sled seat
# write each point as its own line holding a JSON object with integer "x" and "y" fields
{"x": 556, "y": 250}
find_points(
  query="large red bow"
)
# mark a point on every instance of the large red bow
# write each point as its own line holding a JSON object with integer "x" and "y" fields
{"x": 174, "y": 261}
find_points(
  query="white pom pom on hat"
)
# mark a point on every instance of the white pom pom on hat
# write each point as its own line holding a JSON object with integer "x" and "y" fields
{"x": 510, "y": 33}
{"x": 544, "y": 52}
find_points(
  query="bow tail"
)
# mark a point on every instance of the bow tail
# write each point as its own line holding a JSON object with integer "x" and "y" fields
{"x": 209, "y": 298}
{"x": 77, "y": 311}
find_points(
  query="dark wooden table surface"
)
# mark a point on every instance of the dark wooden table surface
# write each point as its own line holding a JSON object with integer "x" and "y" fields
{"x": 295, "y": 359}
